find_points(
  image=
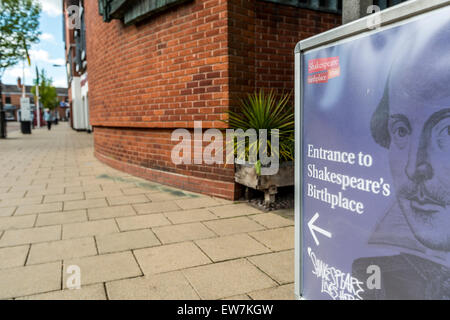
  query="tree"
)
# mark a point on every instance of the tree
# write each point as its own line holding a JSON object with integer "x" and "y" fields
{"x": 47, "y": 92}
{"x": 19, "y": 24}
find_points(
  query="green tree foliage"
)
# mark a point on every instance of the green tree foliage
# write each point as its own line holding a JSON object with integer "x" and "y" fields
{"x": 19, "y": 24}
{"x": 266, "y": 110}
{"x": 47, "y": 92}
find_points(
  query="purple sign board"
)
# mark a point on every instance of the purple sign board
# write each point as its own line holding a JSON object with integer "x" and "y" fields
{"x": 374, "y": 163}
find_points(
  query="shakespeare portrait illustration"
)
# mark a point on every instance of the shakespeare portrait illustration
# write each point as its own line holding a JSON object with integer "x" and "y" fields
{"x": 412, "y": 122}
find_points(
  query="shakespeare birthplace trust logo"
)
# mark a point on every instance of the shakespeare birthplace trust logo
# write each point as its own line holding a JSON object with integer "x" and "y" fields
{"x": 323, "y": 69}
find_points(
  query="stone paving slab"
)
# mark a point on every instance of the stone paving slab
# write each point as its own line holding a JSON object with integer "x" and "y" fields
{"x": 276, "y": 239}
{"x": 63, "y": 197}
{"x": 21, "y": 222}
{"x": 105, "y": 267}
{"x": 277, "y": 265}
{"x": 231, "y": 247}
{"x": 168, "y": 286}
{"x": 24, "y": 187}
{"x": 142, "y": 222}
{"x": 57, "y": 218}
{"x": 134, "y": 191}
{"x": 170, "y": 258}
{"x": 271, "y": 221}
{"x": 187, "y": 216}
{"x": 86, "y": 189}
{"x": 225, "y": 227}
{"x": 129, "y": 199}
{"x": 163, "y": 196}
{"x": 30, "y": 235}
{"x": 221, "y": 280}
{"x": 111, "y": 212}
{"x": 122, "y": 241}
{"x": 13, "y": 202}
{"x": 92, "y": 292}
{"x": 85, "y": 204}
{"x": 89, "y": 228}
{"x": 6, "y": 212}
{"x": 182, "y": 232}
{"x": 156, "y": 207}
{"x": 131, "y": 238}
{"x": 13, "y": 256}
{"x": 51, "y": 191}
{"x": 238, "y": 297}
{"x": 234, "y": 210}
{"x": 196, "y": 203}
{"x": 39, "y": 208}
{"x": 12, "y": 195}
{"x": 285, "y": 292}
{"x": 61, "y": 250}
{"x": 21, "y": 281}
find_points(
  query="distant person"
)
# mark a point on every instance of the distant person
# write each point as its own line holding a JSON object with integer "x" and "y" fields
{"x": 55, "y": 117}
{"x": 48, "y": 118}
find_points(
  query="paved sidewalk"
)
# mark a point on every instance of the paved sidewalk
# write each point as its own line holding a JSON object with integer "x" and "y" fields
{"x": 131, "y": 239}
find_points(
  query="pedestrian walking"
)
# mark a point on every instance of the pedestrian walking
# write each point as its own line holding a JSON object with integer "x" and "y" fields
{"x": 48, "y": 118}
{"x": 55, "y": 117}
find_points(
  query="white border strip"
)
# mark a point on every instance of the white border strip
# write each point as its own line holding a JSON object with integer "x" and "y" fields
{"x": 389, "y": 16}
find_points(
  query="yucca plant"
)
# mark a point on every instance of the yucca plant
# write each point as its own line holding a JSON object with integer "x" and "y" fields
{"x": 264, "y": 110}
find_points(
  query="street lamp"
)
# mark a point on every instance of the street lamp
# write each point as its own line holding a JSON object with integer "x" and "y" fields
{"x": 60, "y": 66}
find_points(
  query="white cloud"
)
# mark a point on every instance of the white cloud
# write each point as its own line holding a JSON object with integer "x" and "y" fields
{"x": 11, "y": 75}
{"x": 51, "y": 7}
{"x": 48, "y": 37}
{"x": 14, "y": 72}
{"x": 60, "y": 83}
{"x": 43, "y": 56}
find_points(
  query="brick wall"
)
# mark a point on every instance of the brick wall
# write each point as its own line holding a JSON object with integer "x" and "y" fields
{"x": 15, "y": 98}
{"x": 262, "y": 39}
{"x": 147, "y": 153}
{"x": 189, "y": 63}
{"x": 163, "y": 73}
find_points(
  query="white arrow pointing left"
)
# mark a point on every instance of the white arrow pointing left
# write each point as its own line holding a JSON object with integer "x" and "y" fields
{"x": 313, "y": 229}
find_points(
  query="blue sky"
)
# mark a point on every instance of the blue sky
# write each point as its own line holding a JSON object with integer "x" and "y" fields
{"x": 49, "y": 51}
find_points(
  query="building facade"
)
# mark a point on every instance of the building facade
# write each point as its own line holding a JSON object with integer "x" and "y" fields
{"x": 11, "y": 101}
{"x": 156, "y": 66}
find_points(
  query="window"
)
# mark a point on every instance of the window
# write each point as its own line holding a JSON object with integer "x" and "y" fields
{"x": 80, "y": 42}
{"x": 331, "y": 5}
{"x": 131, "y": 11}
{"x": 8, "y": 100}
{"x": 334, "y": 6}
